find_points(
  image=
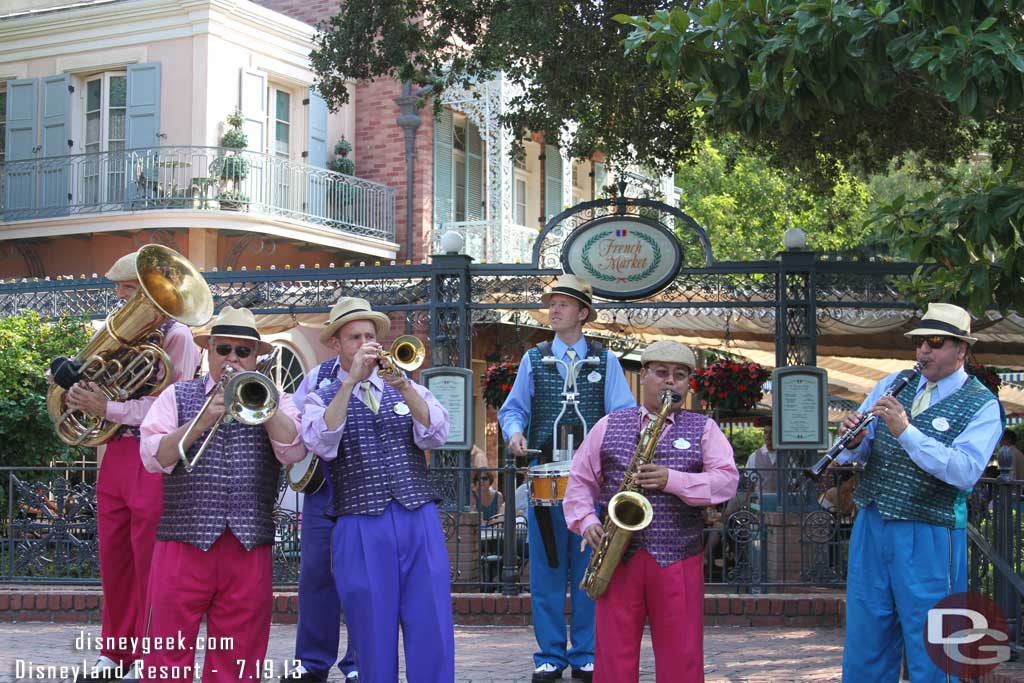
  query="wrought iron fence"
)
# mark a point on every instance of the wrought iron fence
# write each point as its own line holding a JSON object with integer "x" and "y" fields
{"x": 197, "y": 179}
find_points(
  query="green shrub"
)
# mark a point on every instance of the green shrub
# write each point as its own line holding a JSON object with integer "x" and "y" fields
{"x": 27, "y": 345}
{"x": 744, "y": 440}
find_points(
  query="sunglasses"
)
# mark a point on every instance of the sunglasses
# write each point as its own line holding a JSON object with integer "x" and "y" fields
{"x": 934, "y": 342}
{"x": 240, "y": 351}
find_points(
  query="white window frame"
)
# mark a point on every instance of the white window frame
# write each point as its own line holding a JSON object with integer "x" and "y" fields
{"x": 105, "y": 189}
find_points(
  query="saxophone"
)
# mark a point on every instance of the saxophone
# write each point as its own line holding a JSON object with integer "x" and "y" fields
{"x": 629, "y": 510}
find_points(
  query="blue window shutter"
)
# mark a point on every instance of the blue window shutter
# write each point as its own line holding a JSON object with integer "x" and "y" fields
{"x": 143, "y": 107}
{"x": 474, "y": 173}
{"x": 20, "y": 145}
{"x": 444, "y": 207}
{"x": 53, "y": 180}
{"x": 316, "y": 146}
{"x": 600, "y": 179}
{"x": 552, "y": 182}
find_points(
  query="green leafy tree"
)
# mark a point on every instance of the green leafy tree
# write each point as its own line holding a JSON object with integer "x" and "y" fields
{"x": 27, "y": 345}
{"x": 746, "y": 204}
{"x": 564, "y": 60}
{"x": 868, "y": 83}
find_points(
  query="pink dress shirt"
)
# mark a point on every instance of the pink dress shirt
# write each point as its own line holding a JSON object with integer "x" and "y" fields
{"x": 325, "y": 442}
{"x": 716, "y": 484}
{"x": 184, "y": 354}
{"x": 162, "y": 419}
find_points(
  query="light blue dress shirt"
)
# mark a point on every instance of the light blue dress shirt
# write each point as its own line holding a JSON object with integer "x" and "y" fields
{"x": 514, "y": 414}
{"x": 961, "y": 463}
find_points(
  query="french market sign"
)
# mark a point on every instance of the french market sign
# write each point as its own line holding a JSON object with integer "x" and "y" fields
{"x": 623, "y": 257}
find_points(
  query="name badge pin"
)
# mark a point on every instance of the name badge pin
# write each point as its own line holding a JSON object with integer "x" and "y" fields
{"x": 325, "y": 382}
{"x": 941, "y": 424}
{"x": 401, "y": 409}
{"x": 681, "y": 444}
{"x": 594, "y": 376}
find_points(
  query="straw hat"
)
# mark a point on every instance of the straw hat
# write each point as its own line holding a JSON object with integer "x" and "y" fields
{"x": 577, "y": 288}
{"x": 123, "y": 269}
{"x": 666, "y": 351}
{"x": 351, "y": 308}
{"x": 944, "y": 319}
{"x": 239, "y": 323}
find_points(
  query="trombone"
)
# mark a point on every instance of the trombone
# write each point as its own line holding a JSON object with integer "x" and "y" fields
{"x": 250, "y": 397}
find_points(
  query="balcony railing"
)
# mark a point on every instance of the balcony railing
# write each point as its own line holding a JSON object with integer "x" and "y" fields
{"x": 194, "y": 178}
{"x": 487, "y": 242}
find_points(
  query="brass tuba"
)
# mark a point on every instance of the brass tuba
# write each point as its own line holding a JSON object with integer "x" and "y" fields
{"x": 629, "y": 510}
{"x": 406, "y": 353}
{"x": 119, "y": 358}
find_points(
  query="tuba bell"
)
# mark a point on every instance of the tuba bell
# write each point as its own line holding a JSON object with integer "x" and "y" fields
{"x": 124, "y": 357}
{"x": 407, "y": 353}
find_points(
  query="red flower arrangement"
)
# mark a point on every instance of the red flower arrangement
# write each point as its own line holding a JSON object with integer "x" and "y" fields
{"x": 985, "y": 375}
{"x": 729, "y": 385}
{"x": 497, "y": 383}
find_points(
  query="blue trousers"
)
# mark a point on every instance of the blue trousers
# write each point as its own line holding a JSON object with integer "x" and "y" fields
{"x": 898, "y": 570}
{"x": 547, "y": 593}
{"x": 392, "y": 570}
{"x": 316, "y": 641}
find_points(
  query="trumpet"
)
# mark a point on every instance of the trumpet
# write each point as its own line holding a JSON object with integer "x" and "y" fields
{"x": 250, "y": 397}
{"x": 407, "y": 353}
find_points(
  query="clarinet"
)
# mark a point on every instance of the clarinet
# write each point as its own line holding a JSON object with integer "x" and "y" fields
{"x": 840, "y": 445}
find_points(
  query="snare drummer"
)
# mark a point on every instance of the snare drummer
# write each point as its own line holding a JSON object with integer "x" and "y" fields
{"x": 318, "y": 633}
{"x": 388, "y": 548}
{"x": 527, "y": 419}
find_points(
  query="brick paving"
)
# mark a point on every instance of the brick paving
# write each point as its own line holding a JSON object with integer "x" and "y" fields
{"x": 493, "y": 654}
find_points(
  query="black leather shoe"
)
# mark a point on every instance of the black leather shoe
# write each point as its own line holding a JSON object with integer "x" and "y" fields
{"x": 581, "y": 675}
{"x": 306, "y": 677}
{"x": 546, "y": 676}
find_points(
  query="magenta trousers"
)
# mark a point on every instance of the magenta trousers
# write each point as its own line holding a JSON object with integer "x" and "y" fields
{"x": 229, "y": 585}
{"x": 129, "y": 501}
{"x": 672, "y": 598}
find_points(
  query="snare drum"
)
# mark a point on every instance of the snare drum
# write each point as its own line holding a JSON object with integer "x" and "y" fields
{"x": 547, "y": 483}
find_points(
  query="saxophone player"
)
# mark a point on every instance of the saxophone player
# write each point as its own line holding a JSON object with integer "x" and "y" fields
{"x": 660, "y": 577}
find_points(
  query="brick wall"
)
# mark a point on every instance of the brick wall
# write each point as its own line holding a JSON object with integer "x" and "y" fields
{"x": 83, "y": 605}
{"x": 380, "y": 156}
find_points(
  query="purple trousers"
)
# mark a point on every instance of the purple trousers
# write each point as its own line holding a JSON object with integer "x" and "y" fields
{"x": 392, "y": 571}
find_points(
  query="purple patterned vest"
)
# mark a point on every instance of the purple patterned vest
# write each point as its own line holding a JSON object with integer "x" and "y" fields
{"x": 677, "y": 529}
{"x": 153, "y": 338}
{"x": 233, "y": 486}
{"x": 378, "y": 461}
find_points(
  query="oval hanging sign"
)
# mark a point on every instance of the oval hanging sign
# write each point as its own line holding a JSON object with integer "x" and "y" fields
{"x": 623, "y": 257}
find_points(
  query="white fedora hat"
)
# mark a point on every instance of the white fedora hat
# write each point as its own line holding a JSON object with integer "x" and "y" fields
{"x": 575, "y": 287}
{"x": 944, "y": 319}
{"x": 668, "y": 351}
{"x": 349, "y": 309}
{"x": 123, "y": 269}
{"x": 239, "y": 323}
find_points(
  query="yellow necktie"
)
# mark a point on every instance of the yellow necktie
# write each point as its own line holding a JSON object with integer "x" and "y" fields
{"x": 571, "y": 354}
{"x": 922, "y": 400}
{"x": 370, "y": 398}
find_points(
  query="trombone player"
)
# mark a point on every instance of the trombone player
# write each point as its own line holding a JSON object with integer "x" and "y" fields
{"x": 660, "y": 577}
{"x": 389, "y": 558}
{"x": 129, "y": 499}
{"x": 213, "y": 551}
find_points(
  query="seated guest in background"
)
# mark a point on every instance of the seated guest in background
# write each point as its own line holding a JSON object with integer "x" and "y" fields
{"x": 763, "y": 460}
{"x": 485, "y": 499}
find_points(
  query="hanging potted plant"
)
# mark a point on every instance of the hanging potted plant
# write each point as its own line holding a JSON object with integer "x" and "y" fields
{"x": 497, "y": 383}
{"x": 232, "y": 167}
{"x": 728, "y": 385}
{"x": 341, "y": 192}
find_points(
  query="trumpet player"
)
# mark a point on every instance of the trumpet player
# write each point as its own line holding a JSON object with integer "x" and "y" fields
{"x": 213, "y": 551}
{"x": 389, "y": 558}
{"x": 129, "y": 499}
{"x": 660, "y": 576}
